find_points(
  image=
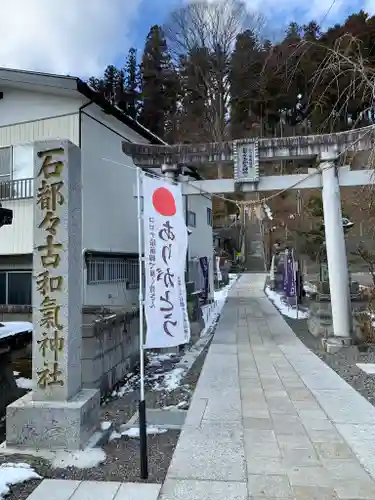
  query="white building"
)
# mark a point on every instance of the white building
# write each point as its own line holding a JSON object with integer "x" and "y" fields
{"x": 37, "y": 106}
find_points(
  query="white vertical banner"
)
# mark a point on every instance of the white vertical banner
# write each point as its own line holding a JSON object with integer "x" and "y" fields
{"x": 165, "y": 244}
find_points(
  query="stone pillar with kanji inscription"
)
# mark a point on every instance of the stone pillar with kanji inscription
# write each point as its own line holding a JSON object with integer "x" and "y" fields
{"x": 58, "y": 413}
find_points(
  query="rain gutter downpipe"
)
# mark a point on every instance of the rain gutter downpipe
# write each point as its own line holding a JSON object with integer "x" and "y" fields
{"x": 81, "y": 108}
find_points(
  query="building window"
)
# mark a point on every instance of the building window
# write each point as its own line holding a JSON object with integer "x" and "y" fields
{"x": 5, "y": 164}
{"x": 209, "y": 216}
{"x": 23, "y": 161}
{"x": 192, "y": 219}
{"x": 15, "y": 288}
{"x": 3, "y": 288}
{"x": 113, "y": 270}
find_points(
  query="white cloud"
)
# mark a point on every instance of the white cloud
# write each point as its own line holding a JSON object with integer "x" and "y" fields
{"x": 76, "y": 37}
{"x": 369, "y": 7}
{"x": 279, "y": 13}
{"x": 307, "y": 11}
{"x": 80, "y": 37}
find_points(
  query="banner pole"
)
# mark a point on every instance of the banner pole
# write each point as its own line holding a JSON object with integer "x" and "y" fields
{"x": 296, "y": 285}
{"x": 142, "y": 403}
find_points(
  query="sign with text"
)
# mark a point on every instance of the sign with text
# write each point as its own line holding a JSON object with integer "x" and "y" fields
{"x": 165, "y": 243}
{"x": 246, "y": 160}
{"x": 57, "y": 285}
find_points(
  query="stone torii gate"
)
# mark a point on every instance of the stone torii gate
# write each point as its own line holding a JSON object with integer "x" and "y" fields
{"x": 245, "y": 155}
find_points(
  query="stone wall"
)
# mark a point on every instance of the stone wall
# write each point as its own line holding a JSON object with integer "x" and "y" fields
{"x": 110, "y": 348}
{"x": 320, "y": 323}
{"x": 110, "y": 344}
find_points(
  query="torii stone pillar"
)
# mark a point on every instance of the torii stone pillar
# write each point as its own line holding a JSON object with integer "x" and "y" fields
{"x": 336, "y": 249}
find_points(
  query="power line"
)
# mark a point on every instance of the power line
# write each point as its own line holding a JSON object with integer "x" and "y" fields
{"x": 247, "y": 202}
{"x": 328, "y": 11}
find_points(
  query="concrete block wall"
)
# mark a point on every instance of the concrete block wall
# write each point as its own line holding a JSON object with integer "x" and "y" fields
{"x": 110, "y": 348}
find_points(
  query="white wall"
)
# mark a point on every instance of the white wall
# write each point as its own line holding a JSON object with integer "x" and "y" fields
{"x": 65, "y": 127}
{"x": 200, "y": 240}
{"x": 30, "y": 116}
{"x": 18, "y": 238}
{"x": 109, "y": 204}
{"x": 26, "y": 117}
{"x": 18, "y": 106}
{"x": 111, "y": 122}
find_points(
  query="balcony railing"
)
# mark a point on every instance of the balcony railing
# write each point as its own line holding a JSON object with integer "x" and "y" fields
{"x": 16, "y": 190}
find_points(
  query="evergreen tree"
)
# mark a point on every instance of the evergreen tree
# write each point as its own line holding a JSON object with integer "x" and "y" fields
{"x": 223, "y": 69}
{"x": 159, "y": 83}
{"x": 111, "y": 83}
{"x": 97, "y": 84}
{"x": 246, "y": 84}
{"x": 131, "y": 83}
{"x": 194, "y": 71}
{"x": 120, "y": 88}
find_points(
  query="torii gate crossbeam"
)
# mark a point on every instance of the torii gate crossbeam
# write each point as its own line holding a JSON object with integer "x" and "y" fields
{"x": 312, "y": 179}
{"x": 246, "y": 154}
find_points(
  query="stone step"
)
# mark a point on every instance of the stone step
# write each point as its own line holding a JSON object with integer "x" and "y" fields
{"x": 254, "y": 264}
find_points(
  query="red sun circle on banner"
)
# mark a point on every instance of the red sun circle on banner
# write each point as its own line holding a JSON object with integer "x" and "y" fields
{"x": 164, "y": 202}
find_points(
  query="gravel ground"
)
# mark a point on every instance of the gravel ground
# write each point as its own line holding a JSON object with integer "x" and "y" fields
{"x": 122, "y": 462}
{"x": 343, "y": 362}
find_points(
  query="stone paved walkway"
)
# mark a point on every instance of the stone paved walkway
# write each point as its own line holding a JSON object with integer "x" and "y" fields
{"x": 63, "y": 489}
{"x": 268, "y": 421}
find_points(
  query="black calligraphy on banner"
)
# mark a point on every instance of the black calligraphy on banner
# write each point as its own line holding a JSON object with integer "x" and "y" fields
{"x": 183, "y": 306}
{"x": 152, "y": 261}
{"x": 164, "y": 275}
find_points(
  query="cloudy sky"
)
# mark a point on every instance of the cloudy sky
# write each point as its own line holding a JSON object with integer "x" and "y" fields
{"x": 80, "y": 37}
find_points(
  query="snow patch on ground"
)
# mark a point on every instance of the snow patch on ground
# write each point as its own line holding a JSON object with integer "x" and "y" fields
{"x": 157, "y": 359}
{"x": 372, "y": 316}
{"x": 309, "y": 288}
{"x": 105, "y": 426}
{"x": 182, "y": 405}
{"x": 211, "y": 312}
{"x": 284, "y": 308}
{"x": 165, "y": 372}
{"x": 11, "y": 473}
{"x": 133, "y": 432}
{"x": 173, "y": 379}
{"x": 85, "y": 459}
{"x": 127, "y": 387}
{"x": 25, "y": 383}
{"x": 368, "y": 368}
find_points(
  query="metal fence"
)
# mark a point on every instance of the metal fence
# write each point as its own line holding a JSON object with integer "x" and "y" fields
{"x": 113, "y": 270}
{"x": 126, "y": 270}
{"x": 16, "y": 190}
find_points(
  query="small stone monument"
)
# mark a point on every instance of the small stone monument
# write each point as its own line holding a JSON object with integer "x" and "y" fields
{"x": 320, "y": 323}
{"x": 58, "y": 413}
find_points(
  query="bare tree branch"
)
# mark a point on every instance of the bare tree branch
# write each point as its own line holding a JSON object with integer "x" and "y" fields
{"x": 211, "y": 28}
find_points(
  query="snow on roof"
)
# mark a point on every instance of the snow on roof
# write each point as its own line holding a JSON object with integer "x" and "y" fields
{"x": 11, "y": 328}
